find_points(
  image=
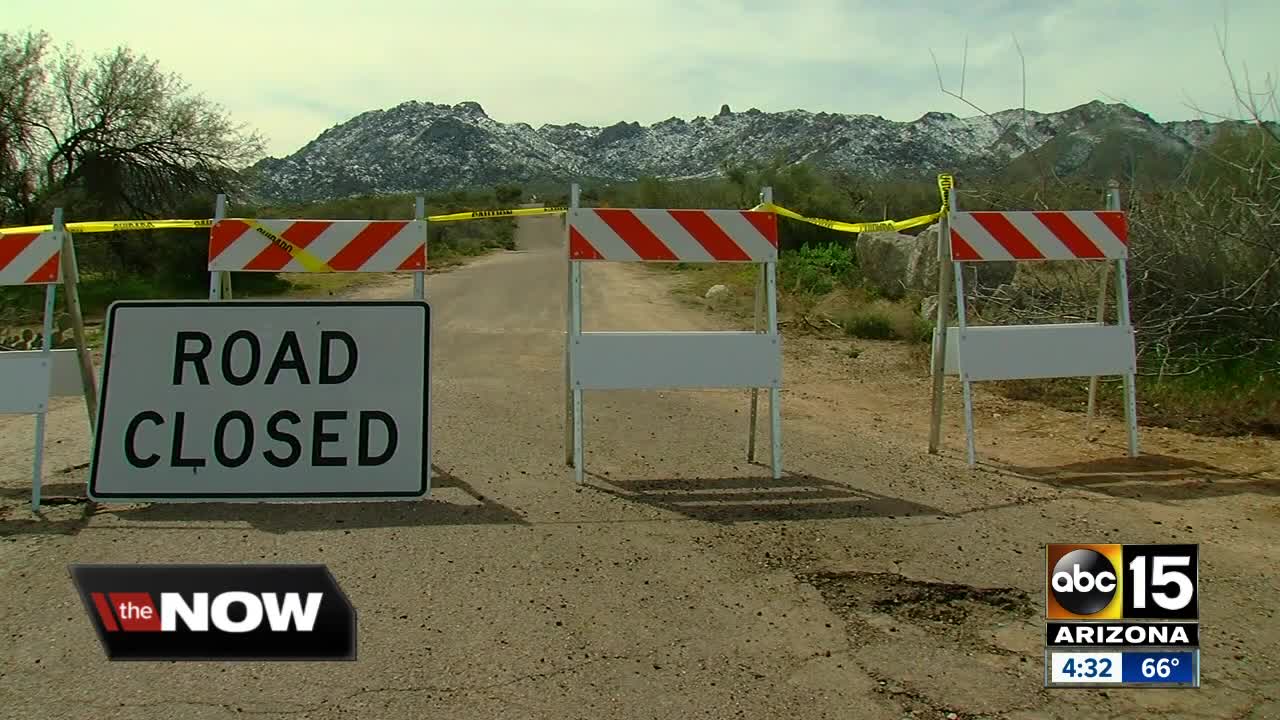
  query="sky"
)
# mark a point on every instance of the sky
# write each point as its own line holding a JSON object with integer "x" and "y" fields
{"x": 291, "y": 69}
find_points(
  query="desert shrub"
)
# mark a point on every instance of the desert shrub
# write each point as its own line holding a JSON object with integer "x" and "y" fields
{"x": 816, "y": 270}
{"x": 883, "y": 320}
{"x": 868, "y": 325}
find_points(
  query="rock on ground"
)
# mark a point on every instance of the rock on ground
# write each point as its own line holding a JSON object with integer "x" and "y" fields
{"x": 897, "y": 265}
{"x": 717, "y": 293}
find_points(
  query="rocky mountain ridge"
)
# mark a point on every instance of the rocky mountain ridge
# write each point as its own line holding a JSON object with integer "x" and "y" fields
{"x": 424, "y": 146}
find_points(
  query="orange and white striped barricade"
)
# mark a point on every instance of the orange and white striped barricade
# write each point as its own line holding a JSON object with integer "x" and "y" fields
{"x": 659, "y": 360}
{"x": 29, "y": 378}
{"x": 1015, "y": 352}
{"x": 271, "y": 245}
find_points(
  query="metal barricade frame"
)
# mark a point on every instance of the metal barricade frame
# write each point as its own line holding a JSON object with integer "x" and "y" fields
{"x": 684, "y": 360}
{"x": 1007, "y": 352}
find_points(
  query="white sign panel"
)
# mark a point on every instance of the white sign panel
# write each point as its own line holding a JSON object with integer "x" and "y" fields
{"x": 264, "y": 400}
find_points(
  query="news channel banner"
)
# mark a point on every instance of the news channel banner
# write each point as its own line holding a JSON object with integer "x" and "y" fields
{"x": 1122, "y": 616}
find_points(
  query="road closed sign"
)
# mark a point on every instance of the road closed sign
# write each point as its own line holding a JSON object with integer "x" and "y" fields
{"x": 262, "y": 400}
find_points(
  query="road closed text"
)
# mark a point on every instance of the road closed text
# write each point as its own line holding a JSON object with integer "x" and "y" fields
{"x": 339, "y": 436}
{"x": 292, "y": 400}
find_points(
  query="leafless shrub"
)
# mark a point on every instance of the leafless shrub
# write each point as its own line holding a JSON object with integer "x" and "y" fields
{"x": 1204, "y": 270}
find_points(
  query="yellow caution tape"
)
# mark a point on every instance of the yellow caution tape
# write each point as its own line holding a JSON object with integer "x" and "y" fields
{"x": 945, "y": 184}
{"x": 306, "y": 259}
{"x": 485, "y": 214}
{"x": 861, "y": 227}
{"x": 97, "y": 226}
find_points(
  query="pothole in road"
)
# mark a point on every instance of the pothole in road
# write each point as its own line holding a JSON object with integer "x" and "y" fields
{"x": 940, "y": 647}
{"x": 916, "y": 601}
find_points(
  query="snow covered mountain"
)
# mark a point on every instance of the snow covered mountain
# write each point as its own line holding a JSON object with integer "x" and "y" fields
{"x": 422, "y": 146}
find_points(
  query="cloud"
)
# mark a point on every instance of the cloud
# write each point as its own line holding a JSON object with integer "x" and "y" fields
{"x": 293, "y": 68}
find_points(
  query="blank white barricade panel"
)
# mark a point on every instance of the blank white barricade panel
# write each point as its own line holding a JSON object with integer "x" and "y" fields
{"x": 64, "y": 379}
{"x": 1022, "y": 352}
{"x": 657, "y": 360}
{"x": 24, "y": 382}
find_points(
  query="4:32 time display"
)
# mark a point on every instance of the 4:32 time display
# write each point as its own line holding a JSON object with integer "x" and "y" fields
{"x": 1088, "y": 666}
{"x": 1085, "y": 667}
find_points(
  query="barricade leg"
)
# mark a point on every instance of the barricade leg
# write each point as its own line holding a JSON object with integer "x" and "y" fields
{"x": 573, "y": 326}
{"x": 775, "y": 392}
{"x": 762, "y": 289}
{"x": 37, "y": 466}
{"x": 1113, "y": 203}
{"x": 755, "y": 392}
{"x": 578, "y": 472}
{"x": 216, "y": 283}
{"x": 1101, "y": 317}
{"x": 1131, "y": 412}
{"x": 775, "y": 431}
{"x": 46, "y": 350}
{"x": 1130, "y": 381}
{"x": 568, "y": 405}
{"x": 420, "y": 277}
{"x": 220, "y": 285}
{"x": 575, "y": 330}
{"x": 964, "y": 379}
{"x": 71, "y": 295}
{"x": 971, "y": 452}
{"x": 568, "y": 371}
{"x": 940, "y": 336}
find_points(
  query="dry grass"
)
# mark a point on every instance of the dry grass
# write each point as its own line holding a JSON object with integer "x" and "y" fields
{"x": 1214, "y": 405}
{"x": 313, "y": 285}
{"x": 884, "y": 320}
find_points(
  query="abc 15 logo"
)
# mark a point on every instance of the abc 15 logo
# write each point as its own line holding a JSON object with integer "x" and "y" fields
{"x": 1122, "y": 582}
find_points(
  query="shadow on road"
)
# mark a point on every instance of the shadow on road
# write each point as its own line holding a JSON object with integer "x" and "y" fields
{"x": 54, "y": 519}
{"x": 452, "y": 502}
{"x": 1150, "y": 477}
{"x": 52, "y": 493}
{"x": 747, "y": 499}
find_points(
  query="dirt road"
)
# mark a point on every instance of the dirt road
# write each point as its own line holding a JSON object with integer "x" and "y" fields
{"x": 873, "y": 581}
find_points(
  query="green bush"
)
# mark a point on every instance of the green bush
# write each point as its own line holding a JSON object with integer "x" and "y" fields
{"x": 508, "y": 194}
{"x": 817, "y": 270}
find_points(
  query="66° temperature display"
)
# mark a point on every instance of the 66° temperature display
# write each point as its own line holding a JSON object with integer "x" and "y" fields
{"x": 1122, "y": 668}
{"x": 1173, "y": 668}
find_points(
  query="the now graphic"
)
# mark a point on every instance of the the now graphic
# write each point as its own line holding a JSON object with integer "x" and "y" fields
{"x": 218, "y": 612}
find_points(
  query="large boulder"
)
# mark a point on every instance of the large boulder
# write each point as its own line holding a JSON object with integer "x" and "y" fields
{"x": 897, "y": 265}
{"x": 884, "y": 258}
